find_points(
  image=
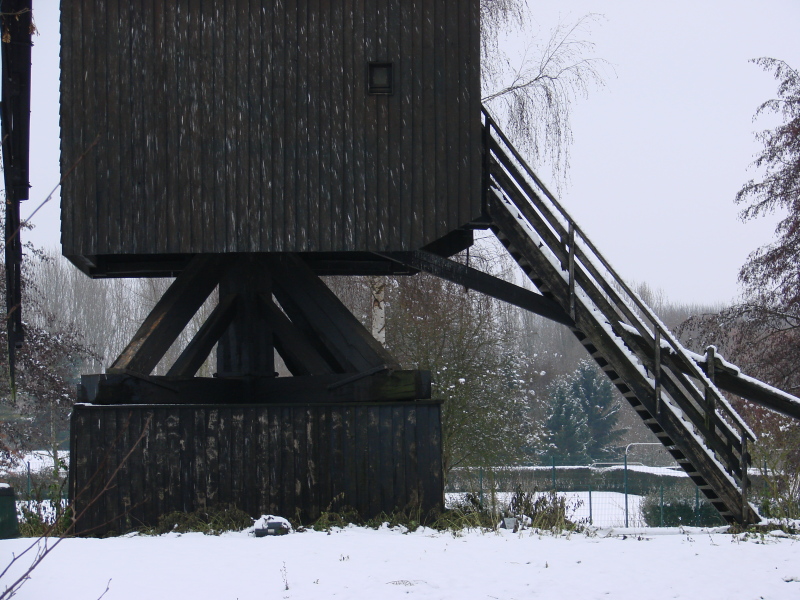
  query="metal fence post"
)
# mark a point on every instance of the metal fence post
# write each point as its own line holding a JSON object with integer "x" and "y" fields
{"x": 591, "y": 521}
{"x": 480, "y": 496}
{"x": 29, "y": 480}
{"x": 554, "y": 472}
{"x": 625, "y": 479}
{"x": 696, "y": 506}
{"x": 662, "y": 505}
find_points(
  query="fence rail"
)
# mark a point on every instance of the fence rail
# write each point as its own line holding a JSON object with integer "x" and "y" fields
{"x": 603, "y": 494}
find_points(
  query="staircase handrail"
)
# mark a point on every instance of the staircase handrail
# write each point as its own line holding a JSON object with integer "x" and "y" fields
{"x": 632, "y": 297}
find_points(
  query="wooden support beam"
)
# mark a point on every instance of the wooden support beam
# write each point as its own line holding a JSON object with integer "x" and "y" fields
{"x": 316, "y": 311}
{"x": 15, "y": 117}
{"x": 192, "y": 358}
{"x": 387, "y": 386}
{"x": 299, "y": 355}
{"x": 171, "y": 314}
{"x": 452, "y": 243}
{"x": 246, "y": 347}
{"x": 729, "y": 380}
{"x": 481, "y": 282}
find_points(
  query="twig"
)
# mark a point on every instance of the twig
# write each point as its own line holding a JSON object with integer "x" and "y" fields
{"x": 60, "y": 181}
{"x": 12, "y": 589}
{"x": 108, "y": 587}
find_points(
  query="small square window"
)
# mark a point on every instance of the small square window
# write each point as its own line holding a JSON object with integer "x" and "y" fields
{"x": 381, "y": 80}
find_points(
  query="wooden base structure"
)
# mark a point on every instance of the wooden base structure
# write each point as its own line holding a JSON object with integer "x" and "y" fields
{"x": 132, "y": 464}
{"x": 349, "y": 428}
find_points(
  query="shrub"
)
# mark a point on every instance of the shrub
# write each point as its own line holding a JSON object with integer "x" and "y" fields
{"x": 547, "y": 510}
{"x": 45, "y": 513}
{"x": 679, "y": 509}
{"x": 212, "y": 521}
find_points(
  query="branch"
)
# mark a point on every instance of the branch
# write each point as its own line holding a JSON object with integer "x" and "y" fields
{"x": 43, "y": 552}
{"x": 50, "y": 195}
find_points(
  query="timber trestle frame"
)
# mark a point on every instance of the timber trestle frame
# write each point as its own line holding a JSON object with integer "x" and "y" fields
{"x": 332, "y": 357}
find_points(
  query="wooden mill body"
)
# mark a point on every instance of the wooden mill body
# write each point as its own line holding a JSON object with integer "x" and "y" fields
{"x": 240, "y": 127}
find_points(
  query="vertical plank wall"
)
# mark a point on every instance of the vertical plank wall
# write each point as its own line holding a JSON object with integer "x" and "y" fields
{"x": 240, "y": 126}
{"x": 264, "y": 459}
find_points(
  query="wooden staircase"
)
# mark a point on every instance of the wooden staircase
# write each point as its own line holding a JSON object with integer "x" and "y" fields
{"x": 675, "y": 398}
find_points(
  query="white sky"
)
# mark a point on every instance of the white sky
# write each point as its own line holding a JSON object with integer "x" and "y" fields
{"x": 659, "y": 152}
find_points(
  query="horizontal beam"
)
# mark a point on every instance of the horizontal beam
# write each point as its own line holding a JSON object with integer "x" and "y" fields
{"x": 731, "y": 380}
{"x": 727, "y": 377}
{"x": 387, "y": 386}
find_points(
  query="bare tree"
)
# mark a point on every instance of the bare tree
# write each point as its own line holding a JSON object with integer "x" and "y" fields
{"x": 532, "y": 94}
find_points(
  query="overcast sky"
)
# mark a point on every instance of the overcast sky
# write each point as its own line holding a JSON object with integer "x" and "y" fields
{"x": 661, "y": 151}
{"x": 658, "y": 153}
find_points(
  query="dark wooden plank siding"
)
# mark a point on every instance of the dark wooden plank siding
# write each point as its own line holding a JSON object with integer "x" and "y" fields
{"x": 262, "y": 458}
{"x": 187, "y": 465}
{"x": 66, "y": 119}
{"x": 245, "y": 127}
{"x": 122, "y": 441}
{"x": 474, "y": 142}
{"x": 199, "y": 459}
{"x": 352, "y": 102}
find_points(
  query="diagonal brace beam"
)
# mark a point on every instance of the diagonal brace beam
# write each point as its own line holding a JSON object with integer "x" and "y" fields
{"x": 315, "y": 310}
{"x": 298, "y": 354}
{"x": 481, "y": 282}
{"x": 195, "y": 354}
{"x": 171, "y": 314}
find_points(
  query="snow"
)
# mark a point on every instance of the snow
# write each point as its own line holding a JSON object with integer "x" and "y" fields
{"x": 768, "y": 388}
{"x": 359, "y": 563}
{"x": 663, "y": 471}
{"x": 38, "y": 460}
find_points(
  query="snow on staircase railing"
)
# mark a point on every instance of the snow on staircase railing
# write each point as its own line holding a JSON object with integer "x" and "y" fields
{"x": 575, "y": 248}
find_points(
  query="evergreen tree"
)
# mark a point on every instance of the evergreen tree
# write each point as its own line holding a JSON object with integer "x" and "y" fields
{"x": 567, "y": 425}
{"x": 582, "y": 415}
{"x": 596, "y": 395}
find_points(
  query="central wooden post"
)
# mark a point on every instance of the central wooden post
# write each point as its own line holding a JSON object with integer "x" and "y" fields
{"x": 246, "y": 349}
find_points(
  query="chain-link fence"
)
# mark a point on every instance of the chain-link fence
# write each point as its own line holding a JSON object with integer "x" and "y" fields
{"x": 604, "y": 494}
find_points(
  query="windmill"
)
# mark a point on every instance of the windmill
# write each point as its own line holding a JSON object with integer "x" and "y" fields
{"x": 252, "y": 147}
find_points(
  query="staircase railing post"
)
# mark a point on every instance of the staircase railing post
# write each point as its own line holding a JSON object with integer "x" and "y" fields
{"x": 571, "y": 267}
{"x": 487, "y": 136}
{"x": 657, "y": 370}
{"x": 711, "y": 402}
{"x": 745, "y": 466}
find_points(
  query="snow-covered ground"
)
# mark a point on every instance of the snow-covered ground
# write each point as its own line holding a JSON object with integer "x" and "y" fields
{"x": 365, "y": 564}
